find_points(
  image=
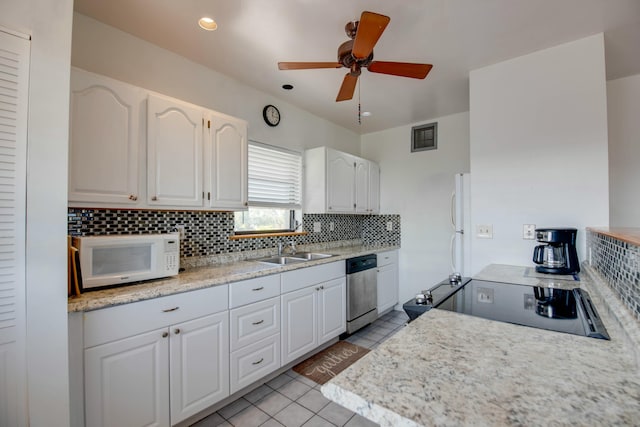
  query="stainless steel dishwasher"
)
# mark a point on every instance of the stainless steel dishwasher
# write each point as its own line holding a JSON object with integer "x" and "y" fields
{"x": 362, "y": 291}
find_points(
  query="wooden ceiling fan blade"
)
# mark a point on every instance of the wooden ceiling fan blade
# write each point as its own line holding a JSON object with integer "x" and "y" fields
{"x": 370, "y": 29}
{"x": 348, "y": 88}
{"x": 307, "y": 65}
{"x": 402, "y": 69}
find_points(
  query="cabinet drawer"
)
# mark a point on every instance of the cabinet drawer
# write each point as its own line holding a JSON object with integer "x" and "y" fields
{"x": 254, "y": 322}
{"x": 253, "y": 290}
{"x": 112, "y": 323}
{"x": 303, "y": 277}
{"x": 386, "y": 258}
{"x": 254, "y": 362}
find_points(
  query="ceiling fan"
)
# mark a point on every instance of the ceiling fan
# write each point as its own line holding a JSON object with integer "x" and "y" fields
{"x": 357, "y": 53}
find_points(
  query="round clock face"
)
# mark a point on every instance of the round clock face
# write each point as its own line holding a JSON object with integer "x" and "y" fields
{"x": 271, "y": 115}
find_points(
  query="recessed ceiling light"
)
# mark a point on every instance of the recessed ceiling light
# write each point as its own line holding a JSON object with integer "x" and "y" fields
{"x": 207, "y": 23}
{"x": 287, "y": 87}
{"x": 366, "y": 113}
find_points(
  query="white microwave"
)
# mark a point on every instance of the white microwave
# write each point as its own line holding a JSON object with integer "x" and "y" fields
{"x": 113, "y": 260}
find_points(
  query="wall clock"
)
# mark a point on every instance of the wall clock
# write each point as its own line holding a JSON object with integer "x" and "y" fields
{"x": 271, "y": 115}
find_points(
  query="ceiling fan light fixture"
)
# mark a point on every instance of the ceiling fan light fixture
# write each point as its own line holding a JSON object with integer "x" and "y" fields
{"x": 207, "y": 23}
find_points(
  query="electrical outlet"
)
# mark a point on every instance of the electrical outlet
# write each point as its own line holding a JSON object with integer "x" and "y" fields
{"x": 332, "y": 226}
{"x": 529, "y": 231}
{"x": 317, "y": 227}
{"x": 180, "y": 229}
{"x": 485, "y": 295}
{"x": 484, "y": 231}
{"x": 389, "y": 225}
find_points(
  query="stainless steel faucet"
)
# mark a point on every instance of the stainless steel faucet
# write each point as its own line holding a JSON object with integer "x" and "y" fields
{"x": 281, "y": 248}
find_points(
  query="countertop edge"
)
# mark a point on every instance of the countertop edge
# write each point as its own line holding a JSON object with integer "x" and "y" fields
{"x": 626, "y": 234}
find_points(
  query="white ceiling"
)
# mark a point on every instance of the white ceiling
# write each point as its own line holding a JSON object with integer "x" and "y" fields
{"x": 456, "y": 36}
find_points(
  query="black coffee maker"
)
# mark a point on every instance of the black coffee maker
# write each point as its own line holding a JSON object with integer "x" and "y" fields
{"x": 559, "y": 255}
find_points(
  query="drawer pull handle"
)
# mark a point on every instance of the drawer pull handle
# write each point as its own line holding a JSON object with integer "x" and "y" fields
{"x": 258, "y": 289}
{"x": 170, "y": 309}
{"x": 258, "y": 362}
{"x": 165, "y": 334}
{"x": 258, "y": 322}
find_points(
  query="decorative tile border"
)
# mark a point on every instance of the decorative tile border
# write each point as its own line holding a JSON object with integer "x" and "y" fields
{"x": 618, "y": 264}
{"x": 207, "y": 233}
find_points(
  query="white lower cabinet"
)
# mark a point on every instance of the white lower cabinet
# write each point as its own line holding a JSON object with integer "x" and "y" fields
{"x": 254, "y": 361}
{"x": 127, "y": 381}
{"x": 312, "y": 316}
{"x": 198, "y": 365}
{"x": 387, "y": 281}
{"x": 156, "y": 362}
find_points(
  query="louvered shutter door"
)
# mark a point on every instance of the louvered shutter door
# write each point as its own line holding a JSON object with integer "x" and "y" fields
{"x": 14, "y": 73}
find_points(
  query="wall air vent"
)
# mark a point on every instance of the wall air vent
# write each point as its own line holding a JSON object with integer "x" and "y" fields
{"x": 424, "y": 137}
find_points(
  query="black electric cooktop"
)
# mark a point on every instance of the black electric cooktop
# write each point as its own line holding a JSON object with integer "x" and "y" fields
{"x": 560, "y": 310}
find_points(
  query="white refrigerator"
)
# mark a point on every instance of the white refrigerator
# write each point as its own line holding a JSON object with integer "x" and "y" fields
{"x": 460, "y": 247}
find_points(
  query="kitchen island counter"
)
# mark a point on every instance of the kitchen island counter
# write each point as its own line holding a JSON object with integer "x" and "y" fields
{"x": 205, "y": 276}
{"x": 447, "y": 368}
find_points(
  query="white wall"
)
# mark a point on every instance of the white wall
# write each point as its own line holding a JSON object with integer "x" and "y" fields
{"x": 418, "y": 186}
{"x": 108, "y": 51}
{"x": 623, "y": 100}
{"x": 49, "y": 23}
{"x": 538, "y": 147}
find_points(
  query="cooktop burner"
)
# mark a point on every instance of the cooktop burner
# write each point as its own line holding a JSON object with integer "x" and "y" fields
{"x": 561, "y": 310}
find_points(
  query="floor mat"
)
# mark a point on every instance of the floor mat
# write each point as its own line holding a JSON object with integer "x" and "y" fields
{"x": 325, "y": 365}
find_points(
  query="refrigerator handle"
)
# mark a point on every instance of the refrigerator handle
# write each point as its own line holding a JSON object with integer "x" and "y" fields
{"x": 452, "y": 253}
{"x": 452, "y": 210}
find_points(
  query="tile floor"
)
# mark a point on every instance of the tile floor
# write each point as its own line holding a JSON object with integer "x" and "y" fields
{"x": 292, "y": 400}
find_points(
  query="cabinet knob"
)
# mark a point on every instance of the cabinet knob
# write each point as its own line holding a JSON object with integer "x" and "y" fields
{"x": 133, "y": 197}
{"x": 246, "y": 203}
{"x": 258, "y": 362}
{"x": 154, "y": 198}
{"x": 165, "y": 334}
{"x": 176, "y": 331}
{"x": 258, "y": 322}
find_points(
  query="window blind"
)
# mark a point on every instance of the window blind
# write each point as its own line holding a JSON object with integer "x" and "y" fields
{"x": 275, "y": 176}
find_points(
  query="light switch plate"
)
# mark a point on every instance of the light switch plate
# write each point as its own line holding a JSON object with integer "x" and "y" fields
{"x": 332, "y": 226}
{"x": 484, "y": 231}
{"x": 389, "y": 225}
{"x": 317, "y": 227}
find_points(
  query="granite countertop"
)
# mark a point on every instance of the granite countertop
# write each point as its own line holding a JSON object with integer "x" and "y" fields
{"x": 629, "y": 235}
{"x": 448, "y": 368}
{"x": 206, "y": 276}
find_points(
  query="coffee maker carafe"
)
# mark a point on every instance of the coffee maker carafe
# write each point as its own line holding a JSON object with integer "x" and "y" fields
{"x": 559, "y": 255}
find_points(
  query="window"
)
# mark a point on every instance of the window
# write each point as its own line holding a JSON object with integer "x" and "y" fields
{"x": 275, "y": 181}
{"x": 424, "y": 137}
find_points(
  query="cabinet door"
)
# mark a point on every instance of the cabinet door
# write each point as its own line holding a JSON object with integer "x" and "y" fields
{"x": 227, "y": 163}
{"x": 362, "y": 185}
{"x": 199, "y": 370}
{"x": 374, "y": 188}
{"x": 299, "y": 331}
{"x": 387, "y": 287}
{"x": 104, "y": 140}
{"x": 340, "y": 182}
{"x": 174, "y": 153}
{"x": 332, "y": 309}
{"x": 127, "y": 382}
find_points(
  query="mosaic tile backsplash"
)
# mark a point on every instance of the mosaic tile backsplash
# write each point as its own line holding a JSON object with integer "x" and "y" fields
{"x": 618, "y": 262}
{"x": 207, "y": 233}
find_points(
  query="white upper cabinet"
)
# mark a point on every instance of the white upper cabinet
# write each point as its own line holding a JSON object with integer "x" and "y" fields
{"x": 104, "y": 143}
{"x": 131, "y": 147}
{"x": 340, "y": 182}
{"x": 174, "y": 153}
{"x": 337, "y": 182}
{"x": 226, "y": 171}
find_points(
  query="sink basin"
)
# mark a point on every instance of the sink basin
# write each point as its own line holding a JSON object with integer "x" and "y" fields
{"x": 281, "y": 260}
{"x": 310, "y": 256}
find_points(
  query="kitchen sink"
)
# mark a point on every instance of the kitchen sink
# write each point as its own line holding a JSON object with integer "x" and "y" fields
{"x": 281, "y": 260}
{"x": 310, "y": 256}
{"x": 294, "y": 258}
